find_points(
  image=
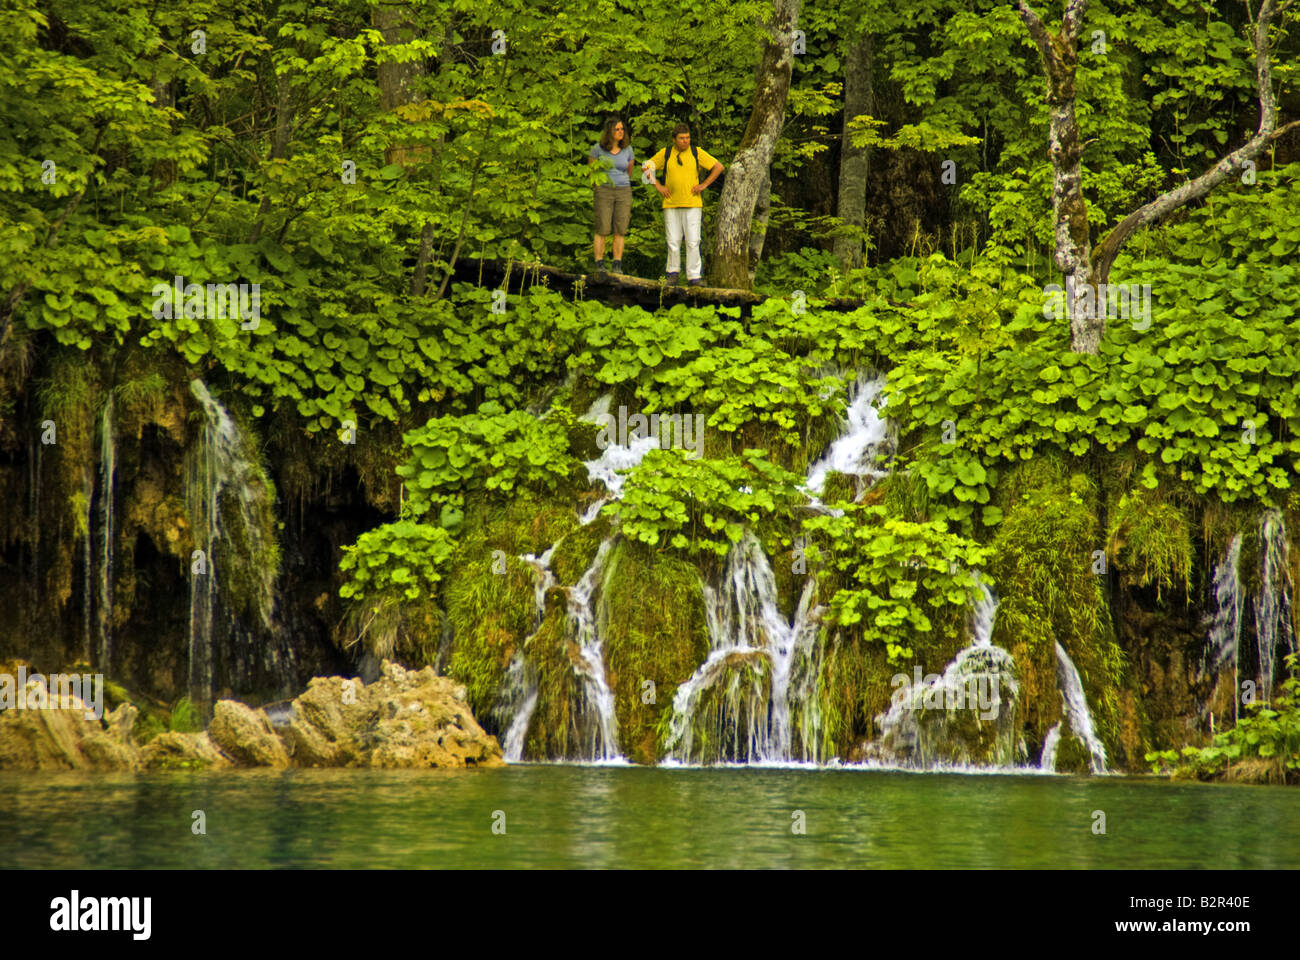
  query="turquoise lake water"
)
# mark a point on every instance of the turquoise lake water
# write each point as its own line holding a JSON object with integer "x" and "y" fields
{"x": 584, "y": 816}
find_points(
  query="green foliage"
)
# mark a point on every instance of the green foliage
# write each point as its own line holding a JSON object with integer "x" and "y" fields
{"x": 892, "y": 569}
{"x": 1150, "y": 540}
{"x": 401, "y": 559}
{"x": 185, "y": 718}
{"x": 686, "y": 503}
{"x": 1207, "y": 396}
{"x": 1270, "y": 732}
{"x": 750, "y": 383}
{"x": 492, "y": 452}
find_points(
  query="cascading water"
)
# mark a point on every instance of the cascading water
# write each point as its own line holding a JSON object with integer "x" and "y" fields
{"x": 517, "y": 698}
{"x": 598, "y": 721}
{"x": 1271, "y": 606}
{"x": 746, "y": 678}
{"x": 107, "y": 470}
{"x": 1273, "y": 602}
{"x": 1225, "y": 628}
{"x": 761, "y": 671}
{"x": 516, "y": 703}
{"x": 1077, "y": 715}
{"x": 967, "y": 715}
{"x": 864, "y": 435}
{"x": 1050, "y": 744}
{"x": 220, "y": 470}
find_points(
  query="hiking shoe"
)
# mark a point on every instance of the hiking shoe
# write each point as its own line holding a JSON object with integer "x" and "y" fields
{"x": 695, "y": 283}
{"x": 600, "y": 266}
{"x": 671, "y": 279}
{"x": 616, "y": 266}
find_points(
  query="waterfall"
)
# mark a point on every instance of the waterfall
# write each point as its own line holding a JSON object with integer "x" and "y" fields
{"x": 87, "y": 564}
{"x": 1225, "y": 627}
{"x": 967, "y": 715}
{"x": 229, "y": 507}
{"x": 617, "y": 459}
{"x": 983, "y": 615}
{"x": 1076, "y": 712}
{"x": 804, "y": 669}
{"x": 601, "y": 734}
{"x": 748, "y": 672}
{"x": 1271, "y": 606}
{"x": 863, "y": 436}
{"x": 1050, "y": 743}
{"x": 107, "y": 470}
{"x": 515, "y": 704}
{"x": 1273, "y": 603}
{"x": 517, "y": 698}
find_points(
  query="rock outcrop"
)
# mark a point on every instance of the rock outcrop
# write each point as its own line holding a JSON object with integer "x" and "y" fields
{"x": 246, "y": 735}
{"x": 67, "y": 736}
{"x": 172, "y": 750}
{"x": 405, "y": 719}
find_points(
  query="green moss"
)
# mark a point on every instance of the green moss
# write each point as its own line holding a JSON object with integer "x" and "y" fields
{"x": 1150, "y": 541}
{"x": 391, "y": 627}
{"x": 853, "y": 686}
{"x": 729, "y": 708}
{"x": 904, "y": 494}
{"x": 184, "y": 717}
{"x": 839, "y": 486}
{"x": 652, "y": 619}
{"x": 1072, "y": 754}
{"x": 490, "y": 613}
{"x": 555, "y": 730}
{"x": 1043, "y": 568}
{"x": 574, "y": 554}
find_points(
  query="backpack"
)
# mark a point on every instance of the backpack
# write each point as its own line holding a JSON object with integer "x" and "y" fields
{"x": 700, "y": 174}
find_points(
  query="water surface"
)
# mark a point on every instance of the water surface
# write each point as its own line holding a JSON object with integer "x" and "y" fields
{"x": 602, "y": 816}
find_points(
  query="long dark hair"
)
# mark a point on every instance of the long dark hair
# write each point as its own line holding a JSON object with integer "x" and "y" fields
{"x": 607, "y": 135}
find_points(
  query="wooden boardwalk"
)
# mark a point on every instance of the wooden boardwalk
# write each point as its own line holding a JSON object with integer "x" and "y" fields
{"x": 615, "y": 289}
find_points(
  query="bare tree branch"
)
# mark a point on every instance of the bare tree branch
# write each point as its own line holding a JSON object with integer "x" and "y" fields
{"x": 1155, "y": 211}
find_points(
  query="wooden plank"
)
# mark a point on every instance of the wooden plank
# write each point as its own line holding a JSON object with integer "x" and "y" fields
{"x": 617, "y": 289}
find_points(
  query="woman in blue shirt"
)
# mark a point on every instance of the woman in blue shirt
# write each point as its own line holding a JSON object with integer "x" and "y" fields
{"x": 613, "y": 200}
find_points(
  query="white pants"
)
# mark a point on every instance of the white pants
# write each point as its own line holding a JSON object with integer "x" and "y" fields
{"x": 679, "y": 220}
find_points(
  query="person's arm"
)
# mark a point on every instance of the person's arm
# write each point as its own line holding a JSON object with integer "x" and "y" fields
{"x": 651, "y": 166}
{"x": 713, "y": 175}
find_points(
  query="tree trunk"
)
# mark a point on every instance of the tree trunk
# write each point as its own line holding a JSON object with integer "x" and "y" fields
{"x": 419, "y": 283}
{"x": 398, "y": 82}
{"x": 760, "y": 226}
{"x": 1074, "y": 254}
{"x": 859, "y": 98}
{"x": 752, "y": 163}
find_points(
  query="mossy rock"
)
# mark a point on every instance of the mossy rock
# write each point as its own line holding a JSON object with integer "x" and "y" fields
{"x": 491, "y": 614}
{"x": 575, "y": 553}
{"x": 839, "y": 486}
{"x": 652, "y": 619}
{"x": 556, "y": 729}
{"x": 1072, "y": 753}
{"x": 1150, "y": 542}
{"x": 1043, "y": 569}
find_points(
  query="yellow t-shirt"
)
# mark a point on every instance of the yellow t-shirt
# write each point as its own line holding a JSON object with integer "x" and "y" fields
{"x": 679, "y": 180}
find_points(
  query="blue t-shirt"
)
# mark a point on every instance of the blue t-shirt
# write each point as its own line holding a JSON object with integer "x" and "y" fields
{"x": 616, "y": 165}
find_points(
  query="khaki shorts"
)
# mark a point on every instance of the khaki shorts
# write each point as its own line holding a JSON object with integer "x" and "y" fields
{"x": 613, "y": 210}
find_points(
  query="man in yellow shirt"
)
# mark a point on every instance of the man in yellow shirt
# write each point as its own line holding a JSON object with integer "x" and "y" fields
{"x": 683, "y": 203}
